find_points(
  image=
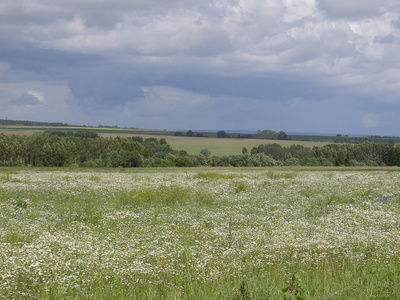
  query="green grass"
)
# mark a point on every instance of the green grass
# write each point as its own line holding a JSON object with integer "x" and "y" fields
{"x": 279, "y": 233}
{"x": 219, "y": 146}
{"x": 193, "y": 145}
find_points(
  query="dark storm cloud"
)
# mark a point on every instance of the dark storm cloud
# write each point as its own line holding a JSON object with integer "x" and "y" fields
{"x": 24, "y": 100}
{"x": 46, "y": 62}
{"x": 99, "y": 92}
{"x": 272, "y": 86}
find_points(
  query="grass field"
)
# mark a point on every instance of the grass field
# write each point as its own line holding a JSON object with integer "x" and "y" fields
{"x": 218, "y": 146}
{"x": 200, "y": 233}
{"x": 29, "y": 130}
{"x": 193, "y": 145}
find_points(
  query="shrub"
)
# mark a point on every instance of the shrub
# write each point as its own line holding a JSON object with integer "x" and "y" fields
{"x": 266, "y": 160}
{"x": 310, "y": 161}
{"x": 156, "y": 162}
{"x": 292, "y": 161}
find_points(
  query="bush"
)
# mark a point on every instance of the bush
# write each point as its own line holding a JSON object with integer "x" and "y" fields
{"x": 124, "y": 158}
{"x": 94, "y": 163}
{"x": 214, "y": 161}
{"x": 266, "y": 160}
{"x": 353, "y": 163}
{"x": 371, "y": 163}
{"x": 183, "y": 161}
{"x": 310, "y": 161}
{"x": 322, "y": 161}
{"x": 202, "y": 159}
{"x": 241, "y": 160}
{"x": 155, "y": 162}
{"x": 292, "y": 161}
{"x": 224, "y": 161}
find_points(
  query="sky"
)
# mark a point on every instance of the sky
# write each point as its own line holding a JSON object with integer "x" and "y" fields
{"x": 326, "y": 66}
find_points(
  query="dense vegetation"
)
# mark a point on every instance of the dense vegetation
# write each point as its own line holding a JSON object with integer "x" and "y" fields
{"x": 281, "y": 135}
{"x": 32, "y": 123}
{"x": 56, "y": 149}
{"x": 266, "y": 134}
{"x": 199, "y": 234}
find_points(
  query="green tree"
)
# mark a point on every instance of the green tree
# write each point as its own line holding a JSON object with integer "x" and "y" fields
{"x": 206, "y": 153}
{"x": 269, "y": 133}
{"x": 222, "y": 134}
{"x": 282, "y": 136}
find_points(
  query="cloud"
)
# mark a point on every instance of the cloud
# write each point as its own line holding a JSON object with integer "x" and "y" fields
{"x": 201, "y": 111}
{"x": 371, "y": 120}
{"x": 27, "y": 100}
{"x": 38, "y": 95}
{"x": 352, "y": 8}
{"x": 102, "y": 92}
{"x": 225, "y": 60}
{"x": 375, "y": 121}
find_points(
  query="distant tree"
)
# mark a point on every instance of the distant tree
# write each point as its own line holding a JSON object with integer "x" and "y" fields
{"x": 86, "y": 134}
{"x": 183, "y": 161}
{"x": 182, "y": 153}
{"x": 222, "y": 134}
{"x": 341, "y": 159}
{"x": 292, "y": 161}
{"x": 137, "y": 139}
{"x": 214, "y": 161}
{"x": 245, "y": 136}
{"x": 282, "y": 135}
{"x": 266, "y": 160}
{"x": 268, "y": 132}
{"x": 224, "y": 161}
{"x": 205, "y": 152}
{"x": 190, "y": 133}
{"x": 393, "y": 156}
{"x": 310, "y": 161}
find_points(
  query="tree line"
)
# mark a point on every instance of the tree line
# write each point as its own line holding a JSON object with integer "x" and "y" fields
{"x": 58, "y": 149}
{"x": 32, "y": 123}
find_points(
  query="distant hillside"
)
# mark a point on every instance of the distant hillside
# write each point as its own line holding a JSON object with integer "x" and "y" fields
{"x": 32, "y": 123}
{"x": 237, "y": 134}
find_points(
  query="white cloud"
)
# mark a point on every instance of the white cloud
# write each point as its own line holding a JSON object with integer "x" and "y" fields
{"x": 299, "y": 9}
{"x": 4, "y": 67}
{"x": 352, "y": 8}
{"x": 371, "y": 120}
{"x": 38, "y": 95}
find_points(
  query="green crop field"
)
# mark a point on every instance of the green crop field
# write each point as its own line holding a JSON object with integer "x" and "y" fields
{"x": 265, "y": 233}
{"x": 193, "y": 145}
{"x": 218, "y": 146}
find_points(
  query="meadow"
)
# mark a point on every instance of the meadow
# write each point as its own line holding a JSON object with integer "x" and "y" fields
{"x": 193, "y": 145}
{"x": 202, "y": 233}
{"x": 218, "y": 146}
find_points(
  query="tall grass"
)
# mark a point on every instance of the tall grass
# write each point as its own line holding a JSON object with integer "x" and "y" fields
{"x": 184, "y": 234}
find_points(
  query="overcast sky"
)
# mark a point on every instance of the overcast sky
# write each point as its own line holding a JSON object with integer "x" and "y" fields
{"x": 326, "y": 66}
